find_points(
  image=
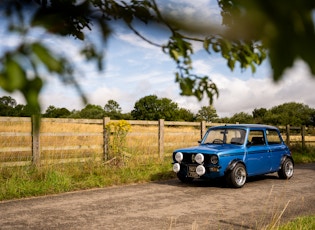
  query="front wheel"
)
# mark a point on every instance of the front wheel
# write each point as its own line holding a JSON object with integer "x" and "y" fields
{"x": 286, "y": 170}
{"x": 237, "y": 176}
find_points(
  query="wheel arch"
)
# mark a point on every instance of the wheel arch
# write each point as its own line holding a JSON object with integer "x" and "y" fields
{"x": 284, "y": 157}
{"x": 232, "y": 165}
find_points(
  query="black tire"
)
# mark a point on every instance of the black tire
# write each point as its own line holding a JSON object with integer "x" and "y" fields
{"x": 236, "y": 178}
{"x": 183, "y": 178}
{"x": 286, "y": 170}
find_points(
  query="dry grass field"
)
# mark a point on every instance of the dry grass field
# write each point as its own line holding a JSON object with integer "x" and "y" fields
{"x": 144, "y": 139}
{"x": 72, "y": 141}
{"x": 15, "y": 140}
{"x": 80, "y": 140}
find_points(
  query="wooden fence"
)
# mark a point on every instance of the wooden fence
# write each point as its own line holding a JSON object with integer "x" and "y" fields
{"x": 76, "y": 140}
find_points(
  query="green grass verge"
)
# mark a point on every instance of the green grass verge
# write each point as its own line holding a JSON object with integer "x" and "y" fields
{"x": 303, "y": 223}
{"x": 19, "y": 182}
{"x": 301, "y": 154}
{"x": 27, "y": 181}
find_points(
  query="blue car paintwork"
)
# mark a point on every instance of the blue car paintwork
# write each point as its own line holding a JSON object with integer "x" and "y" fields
{"x": 261, "y": 159}
{"x": 225, "y": 152}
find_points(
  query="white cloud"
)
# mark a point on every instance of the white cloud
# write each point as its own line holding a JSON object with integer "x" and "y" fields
{"x": 238, "y": 95}
{"x": 190, "y": 11}
{"x": 135, "y": 40}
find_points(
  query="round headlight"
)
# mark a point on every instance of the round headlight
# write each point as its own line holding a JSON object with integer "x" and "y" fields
{"x": 214, "y": 159}
{"x": 200, "y": 170}
{"x": 176, "y": 167}
{"x": 199, "y": 158}
{"x": 179, "y": 156}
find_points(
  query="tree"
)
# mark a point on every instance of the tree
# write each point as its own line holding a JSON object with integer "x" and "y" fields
{"x": 251, "y": 28}
{"x": 152, "y": 108}
{"x": 259, "y": 114}
{"x": 145, "y": 108}
{"x": 225, "y": 120}
{"x": 113, "y": 110}
{"x": 242, "y": 118}
{"x": 7, "y": 105}
{"x": 92, "y": 112}
{"x": 19, "y": 111}
{"x": 7, "y": 100}
{"x": 291, "y": 113}
{"x": 54, "y": 112}
{"x": 24, "y": 110}
{"x": 167, "y": 109}
{"x": 186, "y": 115}
{"x": 207, "y": 113}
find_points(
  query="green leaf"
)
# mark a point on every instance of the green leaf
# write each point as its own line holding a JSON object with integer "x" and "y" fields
{"x": 47, "y": 59}
{"x": 31, "y": 92}
{"x": 253, "y": 68}
{"x": 206, "y": 44}
{"x": 225, "y": 46}
{"x": 15, "y": 76}
{"x": 215, "y": 47}
{"x": 231, "y": 63}
{"x": 174, "y": 54}
{"x": 186, "y": 85}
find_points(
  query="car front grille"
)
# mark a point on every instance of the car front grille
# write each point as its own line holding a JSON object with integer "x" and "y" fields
{"x": 189, "y": 158}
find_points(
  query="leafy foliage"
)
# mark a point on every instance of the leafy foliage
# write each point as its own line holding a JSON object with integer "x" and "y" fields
{"x": 112, "y": 109}
{"x": 185, "y": 115}
{"x": 290, "y": 114}
{"x": 280, "y": 27}
{"x": 242, "y": 118}
{"x": 54, "y": 112}
{"x": 92, "y": 112}
{"x": 153, "y": 108}
{"x": 253, "y": 31}
{"x": 207, "y": 113}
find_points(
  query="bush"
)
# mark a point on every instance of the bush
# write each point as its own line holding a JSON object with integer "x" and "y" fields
{"x": 303, "y": 154}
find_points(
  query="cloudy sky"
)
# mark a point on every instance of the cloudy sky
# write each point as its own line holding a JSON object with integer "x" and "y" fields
{"x": 135, "y": 69}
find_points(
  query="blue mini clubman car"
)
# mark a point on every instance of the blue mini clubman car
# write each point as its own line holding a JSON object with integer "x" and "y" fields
{"x": 235, "y": 152}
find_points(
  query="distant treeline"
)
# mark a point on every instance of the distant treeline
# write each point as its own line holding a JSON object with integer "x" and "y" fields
{"x": 153, "y": 108}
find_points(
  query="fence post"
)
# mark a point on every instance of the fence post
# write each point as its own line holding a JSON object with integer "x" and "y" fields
{"x": 288, "y": 135}
{"x": 106, "y": 120}
{"x": 161, "y": 138}
{"x": 303, "y": 135}
{"x": 35, "y": 141}
{"x": 202, "y": 129}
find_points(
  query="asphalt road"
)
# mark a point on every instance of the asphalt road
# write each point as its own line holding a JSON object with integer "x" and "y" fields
{"x": 169, "y": 205}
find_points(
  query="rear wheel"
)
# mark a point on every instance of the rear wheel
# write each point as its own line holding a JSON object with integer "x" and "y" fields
{"x": 287, "y": 169}
{"x": 236, "y": 178}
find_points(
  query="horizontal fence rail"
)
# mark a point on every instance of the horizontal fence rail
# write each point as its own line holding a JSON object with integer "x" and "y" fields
{"x": 62, "y": 140}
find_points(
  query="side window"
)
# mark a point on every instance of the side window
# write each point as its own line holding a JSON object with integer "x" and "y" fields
{"x": 256, "y": 137}
{"x": 273, "y": 137}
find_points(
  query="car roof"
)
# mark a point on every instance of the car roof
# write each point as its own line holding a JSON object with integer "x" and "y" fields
{"x": 251, "y": 126}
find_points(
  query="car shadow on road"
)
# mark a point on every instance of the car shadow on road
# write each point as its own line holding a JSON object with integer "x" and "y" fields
{"x": 195, "y": 183}
{"x": 273, "y": 176}
{"x": 217, "y": 183}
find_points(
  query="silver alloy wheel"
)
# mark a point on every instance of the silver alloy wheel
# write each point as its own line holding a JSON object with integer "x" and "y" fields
{"x": 240, "y": 176}
{"x": 288, "y": 168}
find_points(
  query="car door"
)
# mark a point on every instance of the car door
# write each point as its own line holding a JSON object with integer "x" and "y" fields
{"x": 258, "y": 157}
{"x": 277, "y": 148}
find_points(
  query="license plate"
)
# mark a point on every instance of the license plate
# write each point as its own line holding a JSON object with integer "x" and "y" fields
{"x": 192, "y": 172}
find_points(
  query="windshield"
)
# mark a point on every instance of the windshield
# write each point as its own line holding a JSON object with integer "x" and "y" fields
{"x": 225, "y": 136}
